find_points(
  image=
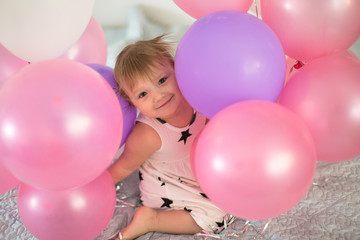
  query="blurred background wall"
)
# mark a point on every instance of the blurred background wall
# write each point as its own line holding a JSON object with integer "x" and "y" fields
{"x": 129, "y": 20}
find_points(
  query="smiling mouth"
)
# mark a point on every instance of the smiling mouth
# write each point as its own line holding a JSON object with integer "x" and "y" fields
{"x": 165, "y": 103}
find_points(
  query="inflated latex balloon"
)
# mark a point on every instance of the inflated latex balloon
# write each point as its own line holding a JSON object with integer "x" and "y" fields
{"x": 77, "y": 213}
{"x": 7, "y": 180}
{"x": 311, "y": 29}
{"x": 91, "y": 47}
{"x": 293, "y": 66}
{"x": 61, "y": 124}
{"x": 41, "y": 29}
{"x": 326, "y": 94}
{"x": 226, "y": 57}
{"x": 9, "y": 64}
{"x": 255, "y": 159}
{"x": 200, "y": 8}
{"x": 128, "y": 112}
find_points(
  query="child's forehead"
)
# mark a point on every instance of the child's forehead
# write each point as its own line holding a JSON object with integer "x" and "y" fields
{"x": 153, "y": 72}
{"x": 149, "y": 73}
{"x": 137, "y": 81}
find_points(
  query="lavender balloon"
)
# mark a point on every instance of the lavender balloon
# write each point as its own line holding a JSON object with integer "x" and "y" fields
{"x": 129, "y": 112}
{"x": 226, "y": 57}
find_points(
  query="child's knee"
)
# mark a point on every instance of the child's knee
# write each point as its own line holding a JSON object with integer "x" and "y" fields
{"x": 145, "y": 212}
{"x": 148, "y": 215}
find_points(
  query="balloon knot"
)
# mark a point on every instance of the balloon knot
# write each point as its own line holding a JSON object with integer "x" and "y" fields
{"x": 298, "y": 64}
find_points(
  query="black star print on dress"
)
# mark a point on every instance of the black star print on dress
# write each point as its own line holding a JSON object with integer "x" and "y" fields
{"x": 188, "y": 210}
{"x": 166, "y": 203}
{"x": 204, "y": 195}
{"x": 163, "y": 183}
{"x": 220, "y": 224}
{"x": 184, "y": 136}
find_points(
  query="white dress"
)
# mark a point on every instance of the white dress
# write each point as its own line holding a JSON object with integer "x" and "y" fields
{"x": 167, "y": 181}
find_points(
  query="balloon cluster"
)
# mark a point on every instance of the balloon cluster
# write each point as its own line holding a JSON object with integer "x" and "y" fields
{"x": 271, "y": 118}
{"x": 62, "y": 120}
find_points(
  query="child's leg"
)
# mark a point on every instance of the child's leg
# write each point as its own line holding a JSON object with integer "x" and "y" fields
{"x": 149, "y": 220}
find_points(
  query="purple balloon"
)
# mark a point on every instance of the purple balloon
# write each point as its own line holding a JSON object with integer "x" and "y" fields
{"x": 129, "y": 112}
{"x": 226, "y": 57}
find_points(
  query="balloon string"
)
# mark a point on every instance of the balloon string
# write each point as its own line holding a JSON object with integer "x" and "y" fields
{"x": 206, "y": 235}
{"x": 256, "y": 9}
{"x": 322, "y": 183}
{"x": 124, "y": 204}
{"x": 227, "y": 220}
{"x": 264, "y": 227}
{"x": 112, "y": 237}
{"x": 120, "y": 201}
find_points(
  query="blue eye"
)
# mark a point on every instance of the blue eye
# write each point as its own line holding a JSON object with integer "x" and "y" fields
{"x": 142, "y": 94}
{"x": 162, "y": 80}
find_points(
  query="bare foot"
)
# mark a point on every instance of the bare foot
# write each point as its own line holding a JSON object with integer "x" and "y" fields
{"x": 142, "y": 223}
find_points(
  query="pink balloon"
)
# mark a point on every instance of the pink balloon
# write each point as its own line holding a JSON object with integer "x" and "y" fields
{"x": 310, "y": 29}
{"x": 7, "y": 179}
{"x": 78, "y": 213}
{"x": 255, "y": 159}
{"x": 293, "y": 66}
{"x": 326, "y": 94}
{"x": 91, "y": 47}
{"x": 200, "y": 8}
{"x": 9, "y": 64}
{"x": 61, "y": 124}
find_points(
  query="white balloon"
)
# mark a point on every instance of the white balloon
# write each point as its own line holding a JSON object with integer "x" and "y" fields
{"x": 42, "y": 29}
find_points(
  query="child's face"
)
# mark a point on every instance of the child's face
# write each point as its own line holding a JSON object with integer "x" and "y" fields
{"x": 159, "y": 97}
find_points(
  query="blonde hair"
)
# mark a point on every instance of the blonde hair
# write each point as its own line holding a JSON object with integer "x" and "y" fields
{"x": 137, "y": 61}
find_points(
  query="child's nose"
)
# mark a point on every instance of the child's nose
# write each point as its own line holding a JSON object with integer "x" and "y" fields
{"x": 158, "y": 95}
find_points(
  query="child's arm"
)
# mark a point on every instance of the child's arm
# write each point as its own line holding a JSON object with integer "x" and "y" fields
{"x": 140, "y": 144}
